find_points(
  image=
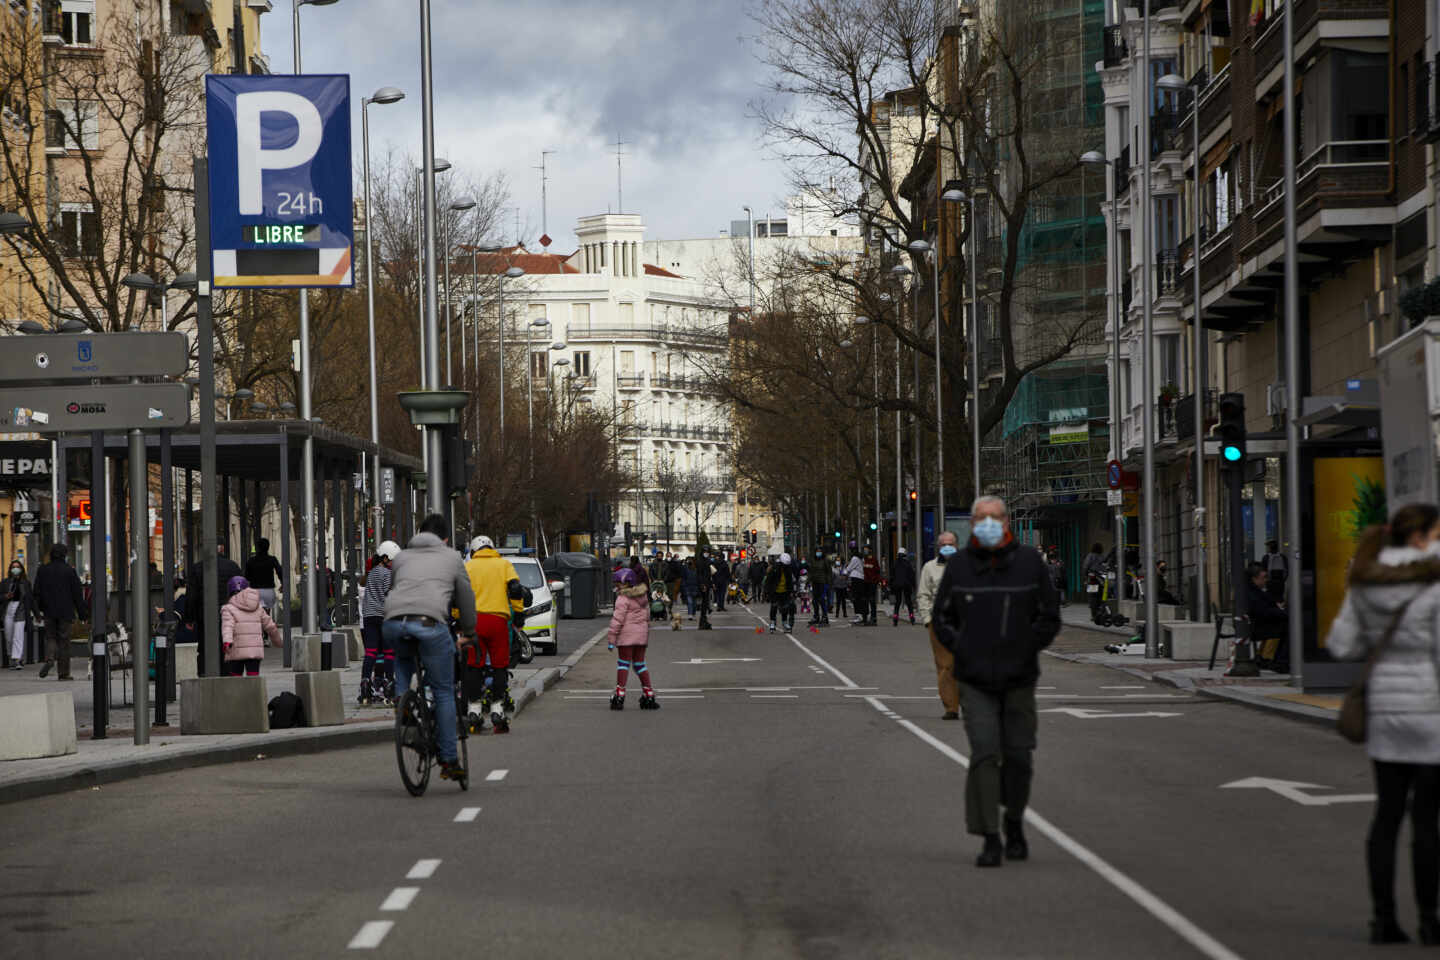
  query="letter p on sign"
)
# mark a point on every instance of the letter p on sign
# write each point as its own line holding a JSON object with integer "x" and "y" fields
{"x": 253, "y": 156}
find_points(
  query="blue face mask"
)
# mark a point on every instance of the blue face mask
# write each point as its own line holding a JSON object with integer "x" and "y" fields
{"x": 989, "y": 532}
{"x": 947, "y": 551}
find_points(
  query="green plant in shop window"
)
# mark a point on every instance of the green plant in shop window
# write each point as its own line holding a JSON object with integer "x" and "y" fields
{"x": 1369, "y": 506}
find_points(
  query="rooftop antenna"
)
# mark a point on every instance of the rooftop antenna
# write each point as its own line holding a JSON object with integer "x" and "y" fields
{"x": 619, "y": 183}
{"x": 544, "y": 200}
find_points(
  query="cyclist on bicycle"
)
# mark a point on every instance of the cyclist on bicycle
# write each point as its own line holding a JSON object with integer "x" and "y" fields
{"x": 499, "y": 597}
{"x": 427, "y": 581}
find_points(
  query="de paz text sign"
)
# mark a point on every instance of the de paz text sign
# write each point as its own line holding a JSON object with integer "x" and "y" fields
{"x": 280, "y": 180}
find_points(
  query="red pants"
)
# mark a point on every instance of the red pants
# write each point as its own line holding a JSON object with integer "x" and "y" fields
{"x": 492, "y": 633}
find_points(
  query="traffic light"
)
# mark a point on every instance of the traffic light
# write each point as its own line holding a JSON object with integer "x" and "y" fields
{"x": 837, "y": 534}
{"x": 457, "y": 460}
{"x": 754, "y": 537}
{"x": 873, "y": 526}
{"x": 1231, "y": 429}
{"x": 914, "y": 495}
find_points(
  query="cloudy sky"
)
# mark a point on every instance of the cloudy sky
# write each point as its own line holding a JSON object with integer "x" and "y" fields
{"x": 672, "y": 78}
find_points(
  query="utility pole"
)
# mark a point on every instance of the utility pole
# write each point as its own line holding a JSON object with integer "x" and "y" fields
{"x": 619, "y": 184}
{"x": 544, "y": 198}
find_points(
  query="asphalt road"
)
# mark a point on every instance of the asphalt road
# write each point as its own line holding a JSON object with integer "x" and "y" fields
{"x": 792, "y": 798}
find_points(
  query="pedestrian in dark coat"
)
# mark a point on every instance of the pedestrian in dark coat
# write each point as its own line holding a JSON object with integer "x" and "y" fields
{"x": 19, "y": 612}
{"x": 902, "y": 586}
{"x": 225, "y": 569}
{"x": 61, "y": 601}
{"x": 721, "y": 581}
{"x": 995, "y": 610}
{"x": 704, "y": 583}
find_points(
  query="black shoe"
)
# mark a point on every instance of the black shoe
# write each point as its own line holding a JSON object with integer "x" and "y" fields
{"x": 1015, "y": 846}
{"x": 648, "y": 702}
{"x": 1430, "y": 930}
{"x": 950, "y": 715}
{"x": 617, "y": 702}
{"x": 991, "y": 855}
{"x": 1386, "y": 930}
{"x": 45, "y": 670}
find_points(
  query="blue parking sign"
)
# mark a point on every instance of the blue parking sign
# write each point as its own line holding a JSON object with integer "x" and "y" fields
{"x": 281, "y": 197}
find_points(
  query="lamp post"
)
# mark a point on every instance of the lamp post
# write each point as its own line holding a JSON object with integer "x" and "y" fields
{"x": 955, "y": 194}
{"x": 1175, "y": 84}
{"x": 435, "y": 494}
{"x": 900, "y": 271}
{"x": 1096, "y": 157}
{"x": 750, "y": 226}
{"x": 457, "y": 206}
{"x": 922, "y": 247}
{"x": 1147, "y": 346}
{"x": 875, "y": 371}
{"x": 307, "y": 448}
{"x": 382, "y": 96}
{"x": 512, "y": 273}
{"x": 1294, "y": 583}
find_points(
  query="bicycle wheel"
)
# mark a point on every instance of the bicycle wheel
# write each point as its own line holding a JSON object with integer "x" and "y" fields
{"x": 412, "y": 741}
{"x": 463, "y": 752}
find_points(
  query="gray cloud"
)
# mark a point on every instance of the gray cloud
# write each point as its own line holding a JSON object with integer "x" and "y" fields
{"x": 670, "y": 77}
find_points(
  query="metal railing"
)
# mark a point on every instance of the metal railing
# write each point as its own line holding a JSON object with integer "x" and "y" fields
{"x": 717, "y": 337}
{"x": 1167, "y": 271}
{"x": 683, "y": 431}
{"x": 630, "y": 382}
{"x": 1185, "y": 414}
{"x": 1343, "y": 153}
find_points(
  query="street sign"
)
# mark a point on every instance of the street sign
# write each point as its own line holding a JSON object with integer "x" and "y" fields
{"x": 24, "y": 463}
{"x": 1114, "y": 498}
{"x": 94, "y": 356}
{"x": 81, "y": 408}
{"x": 281, "y": 195}
{"x": 387, "y": 485}
{"x": 1114, "y": 474}
{"x": 25, "y": 521}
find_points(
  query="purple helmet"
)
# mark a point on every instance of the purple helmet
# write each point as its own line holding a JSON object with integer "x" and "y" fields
{"x": 236, "y": 584}
{"x": 625, "y": 577}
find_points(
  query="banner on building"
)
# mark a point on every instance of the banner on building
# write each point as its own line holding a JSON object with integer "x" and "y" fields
{"x": 1070, "y": 433}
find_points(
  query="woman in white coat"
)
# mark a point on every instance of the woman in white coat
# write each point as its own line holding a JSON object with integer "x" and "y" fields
{"x": 1395, "y": 588}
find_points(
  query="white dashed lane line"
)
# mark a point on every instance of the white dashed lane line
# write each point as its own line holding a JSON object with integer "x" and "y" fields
{"x": 371, "y": 935}
{"x": 467, "y": 814}
{"x": 497, "y": 775}
{"x": 400, "y": 899}
{"x": 423, "y": 870}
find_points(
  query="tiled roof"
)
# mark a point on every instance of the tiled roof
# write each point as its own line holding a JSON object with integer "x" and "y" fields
{"x": 653, "y": 271}
{"x": 516, "y": 256}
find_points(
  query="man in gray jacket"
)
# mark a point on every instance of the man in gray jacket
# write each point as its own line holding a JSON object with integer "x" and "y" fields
{"x": 428, "y": 580}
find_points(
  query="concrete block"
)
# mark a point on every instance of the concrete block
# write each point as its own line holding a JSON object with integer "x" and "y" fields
{"x": 305, "y": 652}
{"x": 37, "y": 725}
{"x": 355, "y": 645}
{"x": 211, "y": 705}
{"x": 187, "y": 661}
{"x": 340, "y": 648}
{"x": 324, "y": 703}
{"x": 1188, "y": 641}
{"x": 1166, "y": 612}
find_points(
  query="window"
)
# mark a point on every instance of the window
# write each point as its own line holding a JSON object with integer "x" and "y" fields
{"x": 654, "y": 364}
{"x": 1402, "y": 100}
{"x": 582, "y": 363}
{"x": 77, "y": 22}
{"x": 79, "y": 230}
{"x": 579, "y": 318}
{"x": 627, "y": 314}
{"x": 1168, "y": 346}
{"x": 627, "y": 363}
{"x": 74, "y": 125}
{"x": 538, "y": 364}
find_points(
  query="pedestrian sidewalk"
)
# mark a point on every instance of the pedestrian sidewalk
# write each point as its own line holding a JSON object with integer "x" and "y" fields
{"x": 116, "y": 757}
{"x": 1085, "y": 642}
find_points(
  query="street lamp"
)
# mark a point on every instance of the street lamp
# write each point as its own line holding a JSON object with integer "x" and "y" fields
{"x": 920, "y": 248}
{"x": 456, "y": 206}
{"x": 12, "y": 223}
{"x": 512, "y": 273}
{"x": 875, "y": 372}
{"x": 750, "y": 226}
{"x": 435, "y": 491}
{"x": 1095, "y": 157}
{"x": 307, "y": 448}
{"x": 954, "y": 193}
{"x": 1171, "y": 83}
{"x": 440, "y": 165}
{"x": 900, "y": 271}
{"x": 1147, "y": 346}
{"x": 383, "y": 95}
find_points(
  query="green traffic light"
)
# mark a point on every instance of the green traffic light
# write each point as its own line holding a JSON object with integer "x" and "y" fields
{"x": 1231, "y": 453}
{"x": 872, "y": 526}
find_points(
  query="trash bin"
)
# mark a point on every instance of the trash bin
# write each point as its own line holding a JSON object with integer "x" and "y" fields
{"x": 584, "y": 577}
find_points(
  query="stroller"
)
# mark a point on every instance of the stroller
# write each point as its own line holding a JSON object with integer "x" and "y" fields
{"x": 659, "y": 602}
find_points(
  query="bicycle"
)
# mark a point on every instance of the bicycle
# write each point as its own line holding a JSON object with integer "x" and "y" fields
{"x": 417, "y": 743}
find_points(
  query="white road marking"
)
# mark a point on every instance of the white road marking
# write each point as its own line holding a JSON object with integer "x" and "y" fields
{"x": 423, "y": 870}
{"x": 1105, "y": 714}
{"x": 1294, "y": 790}
{"x": 467, "y": 814}
{"x": 1113, "y": 696}
{"x": 695, "y": 660}
{"x": 1148, "y": 901}
{"x": 1135, "y": 686}
{"x": 400, "y": 898}
{"x": 496, "y": 775}
{"x": 370, "y": 935}
{"x": 774, "y": 696}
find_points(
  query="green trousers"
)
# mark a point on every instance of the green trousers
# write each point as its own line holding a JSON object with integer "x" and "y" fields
{"x": 1001, "y": 729}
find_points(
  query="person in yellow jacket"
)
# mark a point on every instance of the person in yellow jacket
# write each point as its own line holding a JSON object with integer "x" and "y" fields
{"x": 498, "y": 598}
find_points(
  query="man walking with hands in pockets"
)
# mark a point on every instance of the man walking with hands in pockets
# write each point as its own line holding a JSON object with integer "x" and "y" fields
{"x": 995, "y": 610}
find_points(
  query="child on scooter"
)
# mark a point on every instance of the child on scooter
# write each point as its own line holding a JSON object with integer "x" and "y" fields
{"x": 630, "y": 631}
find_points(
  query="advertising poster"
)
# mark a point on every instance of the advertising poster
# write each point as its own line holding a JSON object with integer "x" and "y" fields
{"x": 1349, "y": 496}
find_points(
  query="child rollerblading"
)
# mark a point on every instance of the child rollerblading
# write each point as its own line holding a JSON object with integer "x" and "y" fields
{"x": 630, "y": 632}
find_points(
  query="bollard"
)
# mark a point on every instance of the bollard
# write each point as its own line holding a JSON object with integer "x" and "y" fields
{"x": 99, "y": 665}
{"x": 326, "y": 638}
{"x": 162, "y": 672}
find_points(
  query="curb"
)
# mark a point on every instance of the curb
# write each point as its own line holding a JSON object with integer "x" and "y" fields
{"x": 318, "y": 740}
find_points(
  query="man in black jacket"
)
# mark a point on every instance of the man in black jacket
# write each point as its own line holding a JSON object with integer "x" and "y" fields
{"x": 902, "y": 586}
{"x": 61, "y": 601}
{"x": 1269, "y": 624}
{"x": 995, "y": 610}
{"x": 721, "y": 581}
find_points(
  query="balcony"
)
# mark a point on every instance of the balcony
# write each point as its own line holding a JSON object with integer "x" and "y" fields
{"x": 630, "y": 382}
{"x": 1427, "y": 96}
{"x": 1269, "y": 46}
{"x": 1115, "y": 49}
{"x": 1167, "y": 273}
{"x": 665, "y": 334}
{"x": 1185, "y": 414}
{"x": 1166, "y": 130}
{"x": 1215, "y": 101}
{"x": 1341, "y": 174}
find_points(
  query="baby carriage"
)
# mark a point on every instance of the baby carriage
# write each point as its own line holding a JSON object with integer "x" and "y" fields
{"x": 803, "y": 593}
{"x": 659, "y": 602}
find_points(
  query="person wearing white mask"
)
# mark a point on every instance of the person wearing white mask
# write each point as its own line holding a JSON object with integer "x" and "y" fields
{"x": 946, "y": 546}
{"x": 996, "y": 609}
{"x": 19, "y": 611}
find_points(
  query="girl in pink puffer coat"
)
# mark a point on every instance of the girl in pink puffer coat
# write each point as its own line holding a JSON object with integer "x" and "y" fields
{"x": 630, "y": 631}
{"x": 244, "y": 624}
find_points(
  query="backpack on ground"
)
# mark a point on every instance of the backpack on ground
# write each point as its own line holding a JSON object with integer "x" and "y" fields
{"x": 286, "y": 711}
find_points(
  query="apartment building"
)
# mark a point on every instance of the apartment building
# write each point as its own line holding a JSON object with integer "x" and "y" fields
{"x": 1363, "y": 116}
{"x": 639, "y": 342}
